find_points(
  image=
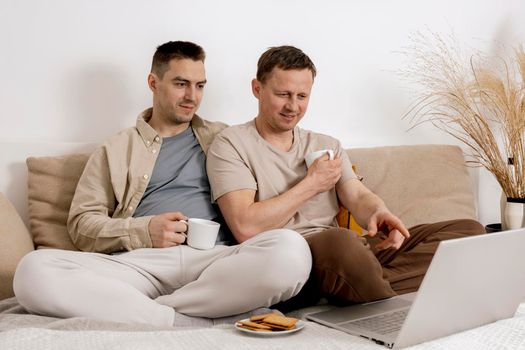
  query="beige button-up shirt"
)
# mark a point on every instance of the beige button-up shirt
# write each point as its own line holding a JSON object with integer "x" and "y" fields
{"x": 113, "y": 183}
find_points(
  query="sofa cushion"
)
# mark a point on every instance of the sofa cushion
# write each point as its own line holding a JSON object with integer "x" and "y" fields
{"x": 346, "y": 220}
{"x": 51, "y": 185}
{"x": 419, "y": 183}
{"x": 15, "y": 242}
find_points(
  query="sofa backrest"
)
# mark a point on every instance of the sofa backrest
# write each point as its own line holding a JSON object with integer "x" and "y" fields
{"x": 419, "y": 183}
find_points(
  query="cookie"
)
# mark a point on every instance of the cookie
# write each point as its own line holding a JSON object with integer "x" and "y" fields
{"x": 257, "y": 318}
{"x": 253, "y": 325}
{"x": 275, "y": 327}
{"x": 280, "y": 321}
{"x": 253, "y": 329}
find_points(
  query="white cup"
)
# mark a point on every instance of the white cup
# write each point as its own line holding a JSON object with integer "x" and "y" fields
{"x": 312, "y": 156}
{"x": 202, "y": 233}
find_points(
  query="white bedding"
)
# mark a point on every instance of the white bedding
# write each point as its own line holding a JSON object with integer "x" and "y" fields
{"x": 34, "y": 333}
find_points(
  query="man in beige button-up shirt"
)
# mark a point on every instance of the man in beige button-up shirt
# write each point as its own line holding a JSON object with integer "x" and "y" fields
{"x": 127, "y": 218}
{"x": 120, "y": 185}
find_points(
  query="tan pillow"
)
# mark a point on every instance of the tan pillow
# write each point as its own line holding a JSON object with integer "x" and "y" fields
{"x": 15, "y": 242}
{"x": 419, "y": 183}
{"x": 51, "y": 185}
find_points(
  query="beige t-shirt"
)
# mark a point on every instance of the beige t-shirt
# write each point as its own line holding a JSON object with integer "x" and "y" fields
{"x": 239, "y": 158}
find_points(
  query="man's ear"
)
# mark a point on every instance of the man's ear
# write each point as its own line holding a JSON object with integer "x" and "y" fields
{"x": 152, "y": 81}
{"x": 256, "y": 88}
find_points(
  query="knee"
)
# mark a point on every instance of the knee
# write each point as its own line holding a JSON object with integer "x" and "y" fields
{"x": 472, "y": 227}
{"x": 31, "y": 269}
{"x": 465, "y": 227}
{"x": 345, "y": 268}
{"x": 338, "y": 246}
{"x": 343, "y": 253}
{"x": 33, "y": 278}
{"x": 289, "y": 263}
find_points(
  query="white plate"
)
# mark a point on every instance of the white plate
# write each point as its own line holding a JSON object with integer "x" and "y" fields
{"x": 298, "y": 326}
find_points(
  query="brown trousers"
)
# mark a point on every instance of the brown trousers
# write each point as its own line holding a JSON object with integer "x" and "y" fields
{"x": 347, "y": 268}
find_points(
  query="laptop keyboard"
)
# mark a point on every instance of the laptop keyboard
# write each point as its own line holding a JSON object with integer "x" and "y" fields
{"x": 382, "y": 324}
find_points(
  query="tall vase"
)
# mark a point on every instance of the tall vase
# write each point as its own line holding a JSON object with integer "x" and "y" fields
{"x": 514, "y": 213}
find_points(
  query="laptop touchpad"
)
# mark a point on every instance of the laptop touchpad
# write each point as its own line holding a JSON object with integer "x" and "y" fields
{"x": 344, "y": 314}
{"x": 389, "y": 304}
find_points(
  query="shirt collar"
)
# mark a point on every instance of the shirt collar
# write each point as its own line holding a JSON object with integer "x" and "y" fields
{"x": 150, "y": 135}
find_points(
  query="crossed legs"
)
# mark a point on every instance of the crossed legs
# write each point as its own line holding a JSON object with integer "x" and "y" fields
{"x": 149, "y": 285}
{"x": 348, "y": 268}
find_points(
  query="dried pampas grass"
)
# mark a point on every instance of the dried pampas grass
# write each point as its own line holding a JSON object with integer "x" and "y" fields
{"x": 478, "y": 103}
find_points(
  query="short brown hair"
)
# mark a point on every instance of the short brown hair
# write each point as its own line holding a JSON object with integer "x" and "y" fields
{"x": 175, "y": 50}
{"x": 284, "y": 57}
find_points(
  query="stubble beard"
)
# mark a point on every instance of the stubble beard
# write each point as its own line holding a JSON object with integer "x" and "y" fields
{"x": 175, "y": 119}
{"x": 286, "y": 124}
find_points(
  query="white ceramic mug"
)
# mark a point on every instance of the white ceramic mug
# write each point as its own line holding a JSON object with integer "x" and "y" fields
{"x": 202, "y": 233}
{"x": 312, "y": 156}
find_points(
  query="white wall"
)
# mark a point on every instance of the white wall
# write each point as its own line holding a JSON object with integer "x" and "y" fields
{"x": 76, "y": 70}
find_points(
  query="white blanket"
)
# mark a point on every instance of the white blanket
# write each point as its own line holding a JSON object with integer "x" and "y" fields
{"x": 35, "y": 333}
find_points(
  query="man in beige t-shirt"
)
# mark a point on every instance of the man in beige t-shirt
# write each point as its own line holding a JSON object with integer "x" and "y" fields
{"x": 259, "y": 179}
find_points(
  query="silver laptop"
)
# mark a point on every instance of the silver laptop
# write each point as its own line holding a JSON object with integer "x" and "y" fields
{"x": 471, "y": 281}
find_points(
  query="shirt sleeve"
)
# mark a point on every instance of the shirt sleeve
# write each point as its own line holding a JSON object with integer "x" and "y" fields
{"x": 91, "y": 225}
{"x": 347, "y": 171}
{"x": 227, "y": 169}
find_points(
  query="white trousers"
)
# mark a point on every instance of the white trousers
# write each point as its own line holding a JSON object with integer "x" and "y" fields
{"x": 149, "y": 285}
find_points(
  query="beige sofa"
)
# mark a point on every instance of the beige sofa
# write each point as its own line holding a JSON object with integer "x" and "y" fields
{"x": 420, "y": 184}
{"x": 423, "y": 183}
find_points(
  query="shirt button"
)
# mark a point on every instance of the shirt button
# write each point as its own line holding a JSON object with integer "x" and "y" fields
{"x": 154, "y": 151}
{"x": 130, "y": 208}
{"x": 157, "y": 139}
{"x": 148, "y": 142}
{"x": 145, "y": 176}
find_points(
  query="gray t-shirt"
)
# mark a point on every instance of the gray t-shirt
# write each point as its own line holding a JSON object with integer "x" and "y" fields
{"x": 179, "y": 183}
